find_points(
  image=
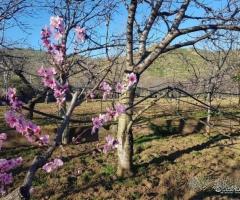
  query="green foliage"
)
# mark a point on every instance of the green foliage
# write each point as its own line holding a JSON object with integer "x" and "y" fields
{"x": 86, "y": 177}
{"x": 108, "y": 170}
{"x": 176, "y": 63}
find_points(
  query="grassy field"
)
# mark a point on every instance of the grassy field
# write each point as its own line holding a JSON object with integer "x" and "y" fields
{"x": 174, "y": 158}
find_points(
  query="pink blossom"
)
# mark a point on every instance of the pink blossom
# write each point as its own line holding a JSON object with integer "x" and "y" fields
{"x": 49, "y": 82}
{"x": 58, "y": 36}
{"x": 13, "y": 100}
{"x": 44, "y": 140}
{"x": 16, "y": 105}
{"x": 11, "y": 119}
{"x": 58, "y": 57}
{"x": 111, "y": 144}
{"x": 45, "y": 33}
{"x": 80, "y": 33}
{"x": 46, "y": 72}
{"x": 27, "y": 128}
{"x": 11, "y": 93}
{"x": 104, "y": 118}
{"x": 47, "y": 44}
{"x": 45, "y": 36}
{"x": 6, "y": 177}
{"x": 132, "y": 79}
{"x": 3, "y": 137}
{"x": 33, "y": 128}
{"x": 119, "y": 88}
{"x": 106, "y": 89}
{"x": 59, "y": 92}
{"x": 7, "y": 165}
{"x": 120, "y": 108}
{"x": 111, "y": 113}
{"x": 56, "y": 22}
{"x": 21, "y": 125}
{"x": 97, "y": 123}
{"x": 53, "y": 165}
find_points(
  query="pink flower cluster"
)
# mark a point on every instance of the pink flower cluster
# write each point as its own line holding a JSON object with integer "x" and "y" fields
{"x": 99, "y": 121}
{"x": 80, "y": 33}
{"x": 56, "y": 22}
{"x": 27, "y": 128}
{"x": 15, "y": 119}
{"x": 57, "y": 29}
{"x": 132, "y": 79}
{"x": 49, "y": 80}
{"x": 45, "y": 37}
{"x": 6, "y": 177}
{"x": 106, "y": 88}
{"x": 13, "y": 100}
{"x": 111, "y": 113}
{"x": 53, "y": 165}
{"x": 111, "y": 144}
{"x": 122, "y": 87}
{"x": 3, "y": 138}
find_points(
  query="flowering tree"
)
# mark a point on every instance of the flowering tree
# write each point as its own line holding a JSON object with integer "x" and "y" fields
{"x": 64, "y": 62}
{"x": 141, "y": 31}
{"x": 162, "y": 27}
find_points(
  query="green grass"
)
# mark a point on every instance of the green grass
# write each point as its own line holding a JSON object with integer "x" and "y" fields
{"x": 108, "y": 170}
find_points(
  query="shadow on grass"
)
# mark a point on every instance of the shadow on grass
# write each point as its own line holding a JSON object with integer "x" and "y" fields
{"x": 203, "y": 194}
{"x": 105, "y": 182}
{"x": 173, "y": 156}
{"x": 160, "y": 132}
{"x": 108, "y": 182}
{"x": 169, "y": 129}
{"x": 24, "y": 149}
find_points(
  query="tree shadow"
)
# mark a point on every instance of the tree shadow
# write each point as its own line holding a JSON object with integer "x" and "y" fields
{"x": 173, "y": 156}
{"x": 105, "y": 182}
{"x": 200, "y": 125}
{"x": 169, "y": 129}
{"x": 203, "y": 194}
{"x": 17, "y": 150}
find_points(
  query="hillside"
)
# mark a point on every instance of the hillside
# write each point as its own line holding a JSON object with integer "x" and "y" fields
{"x": 175, "y": 66}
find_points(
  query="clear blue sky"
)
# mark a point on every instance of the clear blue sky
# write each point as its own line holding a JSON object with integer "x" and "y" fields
{"x": 30, "y": 37}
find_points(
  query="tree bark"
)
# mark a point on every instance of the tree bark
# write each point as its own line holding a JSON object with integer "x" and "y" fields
{"x": 125, "y": 136}
{"x": 209, "y": 99}
{"x": 239, "y": 91}
{"x": 65, "y": 135}
{"x": 33, "y": 102}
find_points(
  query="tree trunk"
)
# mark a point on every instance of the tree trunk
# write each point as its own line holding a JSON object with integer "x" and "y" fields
{"x": 209, "y": 99}
{"x": 65, "y": 135}
{"x": 30, "y": 112}
{"x": 125, "y": 136}
{"x": 239, "y": 91}
{"x": 33, "y": 102}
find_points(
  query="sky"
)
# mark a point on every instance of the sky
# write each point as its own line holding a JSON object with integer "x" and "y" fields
{"x": 30, "y": 36}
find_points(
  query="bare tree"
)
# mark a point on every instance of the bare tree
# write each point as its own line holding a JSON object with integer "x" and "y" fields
{"x": 216, "y": 71}
{"x": 168, "y": 25}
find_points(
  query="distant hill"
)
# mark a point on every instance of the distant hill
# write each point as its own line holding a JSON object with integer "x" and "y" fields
{"x": 174, "y": 66}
